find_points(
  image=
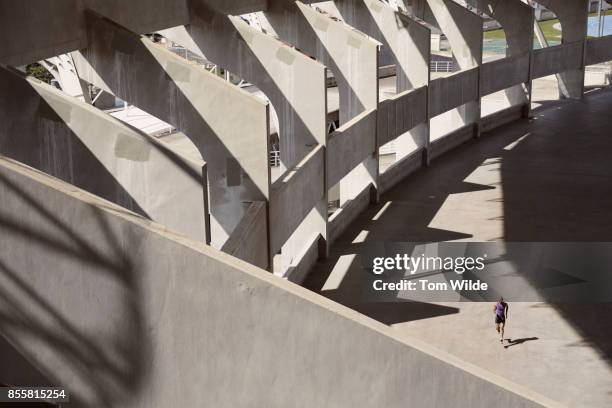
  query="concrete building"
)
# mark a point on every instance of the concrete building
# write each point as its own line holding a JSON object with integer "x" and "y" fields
{"x": 156, "y": 269}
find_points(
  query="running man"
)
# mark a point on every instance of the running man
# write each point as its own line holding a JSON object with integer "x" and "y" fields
{"x": 501, "y": 314}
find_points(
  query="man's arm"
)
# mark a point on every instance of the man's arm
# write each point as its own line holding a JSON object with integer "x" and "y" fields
{"x": 507, "y": 307}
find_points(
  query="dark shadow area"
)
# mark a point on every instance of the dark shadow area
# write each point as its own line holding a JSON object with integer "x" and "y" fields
{"x": 44, "y": 339}
{"x": 516, "y": 342}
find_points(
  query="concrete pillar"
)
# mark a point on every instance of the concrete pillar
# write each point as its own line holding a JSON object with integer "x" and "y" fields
{"x": 573, "y": 15}
{"x": 516, "y": 19}
{"x": 406, "y": 43}
{"x": 353, "y": 59}
{"x": 293, "y": 82}
{"x": 463, "y": 29}
{"x": 228, "y": 126}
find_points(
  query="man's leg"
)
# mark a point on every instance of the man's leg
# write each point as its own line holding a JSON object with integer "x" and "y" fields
{"x": 503, "y": 324}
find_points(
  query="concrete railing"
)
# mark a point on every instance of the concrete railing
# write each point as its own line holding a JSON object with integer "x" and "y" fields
{"x": 560, "y": 58}
{"x": 249, "y": 240}
{"x": 453, "y": 91}
{"x": 401, "y": 113}
{"x": 598, "y": 50}
{"x": 294, "y": 195}
{"x": 349, "y": 145}
{"x": 504, "y": 73}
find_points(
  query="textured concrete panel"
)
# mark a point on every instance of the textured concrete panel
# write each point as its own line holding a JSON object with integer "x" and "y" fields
{"x": 142, "y": 16}
{"x": 452, "y": 91}
{"x": 71, "y": 140}
{"x": 183, "y": 324}
{"x": 561, "y": 58}
{"x": 294, "y": 195}
{"x": 504, "y": 73}
{"x": 226, "y": 124}
{"x": 599, "y": 50}
{"x": 401, "y": 113}
{"x": 351, "y": 144}
{"x": 34, "y": 30}
{"x": 249, "y": 240}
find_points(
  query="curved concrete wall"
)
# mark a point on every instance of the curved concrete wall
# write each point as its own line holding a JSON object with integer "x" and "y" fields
{"x": 165, "y": 321}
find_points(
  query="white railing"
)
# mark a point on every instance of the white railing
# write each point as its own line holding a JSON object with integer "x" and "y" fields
{"x": 441, "y": 66}
{"x": 274, "y": 158}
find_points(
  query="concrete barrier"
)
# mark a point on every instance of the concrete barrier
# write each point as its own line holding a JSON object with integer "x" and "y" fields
{"x": 560, "y": 58}
{"x": 504, "y": 73}
{"x": 167, "y": 321}
{"x": 401, "y": 113}
{"x": 249, "y": 241}
{"x": 453, "y": 91}
{"x": 400, "y": 170}
{"x": 448, "y": 142}
{"x": 598, "y": 50}
{"x": 342, "y": 218}
{"x": 294, "y": 195}
{"x": 349, "y": 145}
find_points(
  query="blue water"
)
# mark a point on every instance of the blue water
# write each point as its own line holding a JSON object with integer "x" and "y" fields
{"x": 593, "y": 26}
{"x": 499, "y": 46}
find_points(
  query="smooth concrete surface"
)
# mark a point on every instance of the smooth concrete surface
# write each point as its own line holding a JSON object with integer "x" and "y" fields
{"x": 544, "y": 179}
{"x": 349, "y": 145}
{"x": 598, "y": 50}
{"x": 566, "y": 57}
{"x": 47, "y": 129}
{"x": 294, "y": 195}
{"x": 45, "y": 29}
{"x": 401, "y": 113}
{"x": 125, "y": 314}
{"x": 344, "y": 216}
{"x": 227, "y": 125}
{"x": 451, "y": 91}
{"x": 142, "y": 16}
{"x": 249, "y": 240}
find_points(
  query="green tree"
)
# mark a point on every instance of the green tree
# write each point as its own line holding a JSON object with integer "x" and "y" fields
{"x": 39, "y": 72}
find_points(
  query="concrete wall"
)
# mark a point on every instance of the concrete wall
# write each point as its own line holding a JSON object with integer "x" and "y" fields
{"x": 400, "y": 170}
{"x": 350, "y": 145}
{"x": 401, "y": 113}
{"x": 142, "y": 16}
{"x": 598, "y": 50}
{"x": 343, "y": 217}
{"x": 504, "y": 73}
{"x": 228, "y": 126}
{"x": 452, "y": 91}
{"x": 249, "y": 240}
{"x": 69, "y": 139}
{"x": 270, "y": 65}
{"x": 33, "y": 30}
{"x": 573, "y": 15}
{"x": 294, "y": 195}
{"x": 566, "y": 57}
{"x": 165, "y": 321}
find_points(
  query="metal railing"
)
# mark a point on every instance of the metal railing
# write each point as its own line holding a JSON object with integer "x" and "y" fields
{"x": 441, "y": 66}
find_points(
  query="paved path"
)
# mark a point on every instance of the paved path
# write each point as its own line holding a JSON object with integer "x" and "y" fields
{"x": 547, "y": 179}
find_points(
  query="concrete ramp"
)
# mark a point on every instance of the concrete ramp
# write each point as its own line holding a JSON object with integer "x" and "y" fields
{"x": 125, "y": 313}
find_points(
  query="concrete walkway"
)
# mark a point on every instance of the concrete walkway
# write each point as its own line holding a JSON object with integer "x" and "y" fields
{"x": 546, "y": 179}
